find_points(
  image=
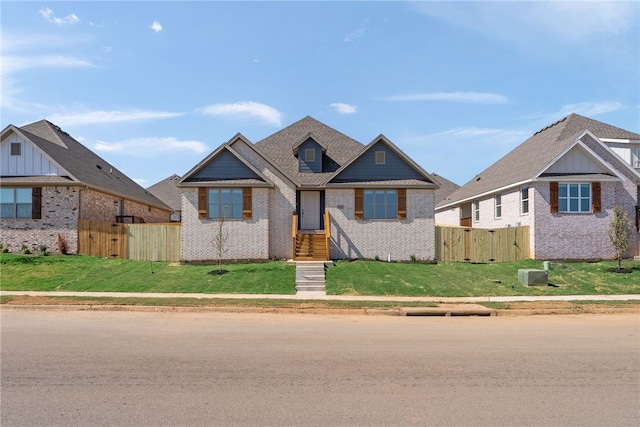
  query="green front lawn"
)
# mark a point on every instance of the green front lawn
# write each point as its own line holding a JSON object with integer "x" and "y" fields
{"x": 462, "y": 279}
{"x": 84, "y": 273}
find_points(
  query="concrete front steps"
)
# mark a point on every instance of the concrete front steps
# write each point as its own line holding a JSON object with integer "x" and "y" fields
{"x": 310, "y": 279}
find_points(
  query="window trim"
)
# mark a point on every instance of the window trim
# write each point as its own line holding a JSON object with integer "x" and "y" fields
{"x": 245, "y": 203}
{"x": 33, "y": 203}
{"x": 524, "y": 200}
{"x": 497, "y": 200}
{"x": 309, "y": 155}
{"x": 19, "y": 149}
{"x": 380, "y": 157}
{"x": 579, "y": 198}
{"x": 476, "y": 211}
{"x": 401, "y": 204}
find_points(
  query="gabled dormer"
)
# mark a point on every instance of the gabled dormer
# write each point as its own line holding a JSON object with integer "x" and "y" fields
{"x": 310, "y": 154}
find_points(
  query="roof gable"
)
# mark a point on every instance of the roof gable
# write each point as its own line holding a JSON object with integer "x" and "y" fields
{"x": 32, "y": 160}
{"x": 576, "y": 160}
{"x": 225, "y": 166}
{"x": 379, "y": 161}
{"x": 83, "y": 165}
{"x": 279, "y": 148}
{"x": 528, "y": 160}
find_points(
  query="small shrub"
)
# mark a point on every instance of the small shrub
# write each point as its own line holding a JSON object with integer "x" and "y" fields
{"x": 413, "y": 258}
{"x": 377, "y": 258}
{"x": 25, "y": 250}
{"x": 43, "y": 250}
{"x": 62, "y": 244}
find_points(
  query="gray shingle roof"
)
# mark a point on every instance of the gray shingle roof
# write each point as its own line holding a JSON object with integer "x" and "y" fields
{"x": 530, "y": 157}
{"x": 278, "y": 148}
{"x": 167, "y": 191}
{"x": 446, "y": 187}
{"x": 84, "y": 165}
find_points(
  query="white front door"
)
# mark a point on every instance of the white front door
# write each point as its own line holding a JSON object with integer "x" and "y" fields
{"x": 309, "y": 210}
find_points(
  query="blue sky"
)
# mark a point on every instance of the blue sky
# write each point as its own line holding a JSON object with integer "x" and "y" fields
{"x": 153, "y": 87}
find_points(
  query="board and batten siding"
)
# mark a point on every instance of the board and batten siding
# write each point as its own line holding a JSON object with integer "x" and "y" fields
{"x": 366, "y": 169}
{"x": 30, "y": 162}
{"x": 309, "y": 166}
{"x": 225, "y": 166}
{"x": 629, "y": 152}
{"x": 576, "y": 160}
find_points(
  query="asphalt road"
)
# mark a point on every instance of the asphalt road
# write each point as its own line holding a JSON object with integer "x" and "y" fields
{"x": 85, "y": 368}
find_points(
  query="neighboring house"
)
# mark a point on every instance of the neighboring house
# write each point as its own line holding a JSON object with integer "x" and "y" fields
{"x": 170, "y": 195}
{"x": 563, "y": 183}
{"x": 446, "y": 188}
{"x": 283, "y": 196}
{"x": 48, "y": 181}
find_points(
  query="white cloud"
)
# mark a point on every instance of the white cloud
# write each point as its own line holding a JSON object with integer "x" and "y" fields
{"x": 156, "y": 26}
{"x": 48, "y": 14}
{"x": 341, "y": 108}
{"x": 465, "y": 97}
{"x": 143, "y": 147}
{"x": 562, "y": 21}
{"x": 491, "y": 136}
{"x": 588, "y": 109}
{"x": 245, "y": 109}
{"x": 12, "y": 64}
{"x": 101, "y": 117}
{"x": 356, "y": 34}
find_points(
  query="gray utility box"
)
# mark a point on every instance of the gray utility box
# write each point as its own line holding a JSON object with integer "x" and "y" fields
{"x": 532, "y": 277}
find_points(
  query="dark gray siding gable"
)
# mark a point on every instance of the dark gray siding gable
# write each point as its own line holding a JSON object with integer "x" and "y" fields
{"x": 222, "y": 167}
{"x": 313, "y": 165}
{"x": 365, "y": 168}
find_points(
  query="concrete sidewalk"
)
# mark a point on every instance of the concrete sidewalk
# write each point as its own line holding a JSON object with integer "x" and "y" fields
{"x": 445, "y": 300}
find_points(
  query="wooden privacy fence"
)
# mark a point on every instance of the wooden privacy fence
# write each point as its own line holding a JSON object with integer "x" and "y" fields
{"x": 148, "y": 242}
{"x": 481, "y": 245}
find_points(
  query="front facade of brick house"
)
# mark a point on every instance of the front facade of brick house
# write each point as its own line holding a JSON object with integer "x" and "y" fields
{"x": 305, "y": 183}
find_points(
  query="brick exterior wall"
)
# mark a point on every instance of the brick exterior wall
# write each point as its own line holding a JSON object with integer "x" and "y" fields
{"x": 351, "y": 238}
{"x": 245, "y": 239}
{"x": 559, "y": 235}
{"x": 60, "y": 211}
{"x": 448, "y": 217}
{"x": 282, "y": 204}
{"x": 62, "y": 206}
{"x": 580, "y": 235}
{"x": 100, "y": 206}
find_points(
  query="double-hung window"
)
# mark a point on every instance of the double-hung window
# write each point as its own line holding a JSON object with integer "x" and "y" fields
{"x": 574, "y": 197}
{"x": 380, "y": 204}
{"x": 16, "y": 202}
{"x": 498, "y": 205}
{"x": 225, "y": 202}
{"x": 476, "y": 210}
{"x": 524, "y": 199}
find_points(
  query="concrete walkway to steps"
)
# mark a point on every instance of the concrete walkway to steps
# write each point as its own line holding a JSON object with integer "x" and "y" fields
{"x": 452, "y": 300}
